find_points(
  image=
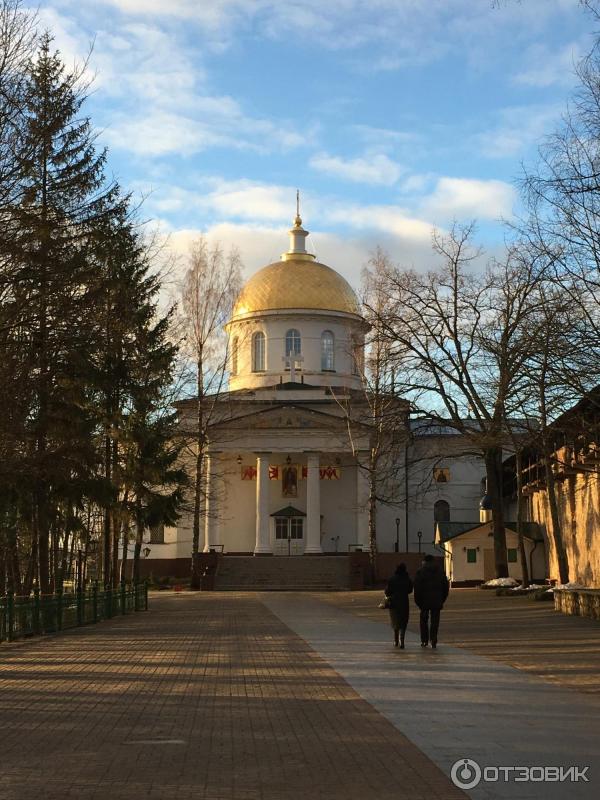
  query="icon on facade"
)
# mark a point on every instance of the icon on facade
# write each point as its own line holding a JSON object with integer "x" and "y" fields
{"x": 289, "y": 481}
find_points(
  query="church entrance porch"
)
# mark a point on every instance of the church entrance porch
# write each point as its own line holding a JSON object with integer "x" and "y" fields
{"x": 288, "y": 539}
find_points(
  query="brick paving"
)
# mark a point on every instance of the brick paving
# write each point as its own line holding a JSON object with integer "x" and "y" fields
{"x": 525, "y": 634}
{"x": 205, "y": 696}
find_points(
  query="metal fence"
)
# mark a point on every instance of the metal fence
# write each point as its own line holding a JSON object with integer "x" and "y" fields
{"x": 38, "y": 614}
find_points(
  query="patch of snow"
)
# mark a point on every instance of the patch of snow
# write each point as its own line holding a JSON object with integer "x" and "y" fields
{"x": 570, "y": 585}
{"x": 532, "y": 587}
{"x": 509, "y": 583}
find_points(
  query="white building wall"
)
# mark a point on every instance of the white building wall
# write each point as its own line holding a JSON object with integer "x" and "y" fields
{"x": 462, "y": 492}
{"x": 460, "y": 570}
{"x": 238, "y": 507}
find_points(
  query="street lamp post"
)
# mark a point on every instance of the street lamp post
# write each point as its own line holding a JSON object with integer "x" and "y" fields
{"x": 419, "y": 534}
{"x": 397, "y": 534}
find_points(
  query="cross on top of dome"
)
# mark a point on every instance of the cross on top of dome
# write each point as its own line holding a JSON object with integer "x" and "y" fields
{"x": 298, "y": 220}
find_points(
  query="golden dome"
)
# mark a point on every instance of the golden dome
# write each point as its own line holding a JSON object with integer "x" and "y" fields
{"x": 296, "y": 283}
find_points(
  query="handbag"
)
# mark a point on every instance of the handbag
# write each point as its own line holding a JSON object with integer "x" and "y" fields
{"x": 385, "y": 603}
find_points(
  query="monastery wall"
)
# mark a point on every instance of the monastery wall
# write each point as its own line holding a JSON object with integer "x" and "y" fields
{"x": 579, "y": 508}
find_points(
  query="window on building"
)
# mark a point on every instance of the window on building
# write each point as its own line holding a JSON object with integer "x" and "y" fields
{"x": 441, "y": 475}
{"x": 293, "y": 342}
{"x": 234, "y": 356}
{"x": 471, "y": 555}
{"x": 511, "y": 555}
{"x": 441, "y": 511}
{"x": 281, "y": 528}
{"x": 157, "y": 533}
{"x": 258, "y": 352}
{"x": 327, "y": 351}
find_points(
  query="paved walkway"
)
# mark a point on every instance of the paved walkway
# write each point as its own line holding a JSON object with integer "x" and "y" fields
{"x": 455, "y": 704}
{"x": 277, "y": 696}
{"x": 210, "y": 697}
{"x": 513, "y": 630}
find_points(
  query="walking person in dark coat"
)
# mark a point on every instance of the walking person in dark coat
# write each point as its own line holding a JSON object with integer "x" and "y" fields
{"x": 397, "y": 591}
{"x": 431, "y": 591}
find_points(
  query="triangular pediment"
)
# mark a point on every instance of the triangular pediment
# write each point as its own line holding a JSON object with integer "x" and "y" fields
{"x": 287, "y": 418}
{"x": 288, "y": 511}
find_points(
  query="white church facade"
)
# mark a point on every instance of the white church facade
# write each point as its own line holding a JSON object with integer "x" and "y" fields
{"x": 283, "y": 475}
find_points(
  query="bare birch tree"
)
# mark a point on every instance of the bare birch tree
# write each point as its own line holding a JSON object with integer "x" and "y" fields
{"x": 210, "y": 285}
{"x": 379, "y": 410}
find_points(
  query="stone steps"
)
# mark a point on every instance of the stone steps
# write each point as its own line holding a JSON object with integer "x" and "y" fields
{"x": 282, "y": 573}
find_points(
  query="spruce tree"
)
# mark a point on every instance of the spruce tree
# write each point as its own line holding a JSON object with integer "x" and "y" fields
{"x": 63, "y": 200}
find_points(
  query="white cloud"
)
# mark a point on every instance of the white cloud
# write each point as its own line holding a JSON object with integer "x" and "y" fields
{"x": 160, "y": 133}
{"x": 396, "y": 33}
{"x": 517, "y": 128}
{"x": 464, "y": 198}
{"x": 162, "y": 88}
{"x": 208, "y": 122}
{"x": 259, "y": 245}
{"x": 545, "y": 66}
{"x": 212, "y": 14}
{"x": 248, "y": 200}
{"x": 216, "y": 198}
{"x": 376, "y": 169}
{"x": 385, "y": 219}
{"x": 382, "y": 139}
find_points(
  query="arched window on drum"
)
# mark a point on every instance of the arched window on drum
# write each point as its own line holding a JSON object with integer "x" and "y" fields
{"x": 327, "y": 351}
{"x": 258, "y": 352}
{"x": 293, "y": 342}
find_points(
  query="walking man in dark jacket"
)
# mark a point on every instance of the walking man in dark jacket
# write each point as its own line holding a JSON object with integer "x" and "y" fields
{"x": 431, "y": 591}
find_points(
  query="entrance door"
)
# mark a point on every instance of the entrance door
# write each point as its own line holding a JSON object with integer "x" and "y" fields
{"x": 289, "y": 536}
{"x": 489, "y": 564}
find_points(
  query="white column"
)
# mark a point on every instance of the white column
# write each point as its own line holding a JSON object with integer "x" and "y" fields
{"x": 313, "y": 505}
{"x": 362, "y": 507}
{"x": 211, "y": 518}
{"x": 263, "y": 539}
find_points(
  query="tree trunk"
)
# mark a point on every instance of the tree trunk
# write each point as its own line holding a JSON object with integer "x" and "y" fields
{"x": 124, "y": 554}
{"x": 198, "y": 493}
{"x": 13, "y": 568}
{"x": 373, "y": 524}
{"x": 556, "y": 533}
{"x": 106, "y": 534}
{"x": 56, "y": 579}
{"x": 139, "y": 538}
{"x": 116, "y": 532}
{"x": 493, "y": 467}
{"x": 525, "y": 577}
{"x": 65, "y": 548}
{"x": 32, "y": 574}
{"x": 86, "y": 547}
{"x": 3, "y": 560}
{"x": 43, "y": 540}
{"x": 115, "y": 515}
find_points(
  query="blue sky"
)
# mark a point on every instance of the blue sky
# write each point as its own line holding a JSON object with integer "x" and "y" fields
{"x": 391, "y": 116}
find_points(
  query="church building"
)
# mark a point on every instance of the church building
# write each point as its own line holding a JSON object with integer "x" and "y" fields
{"x": 285, "y": 465}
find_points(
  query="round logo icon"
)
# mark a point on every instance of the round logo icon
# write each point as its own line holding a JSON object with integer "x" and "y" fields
{"x": 465, "y": 773}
